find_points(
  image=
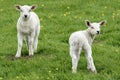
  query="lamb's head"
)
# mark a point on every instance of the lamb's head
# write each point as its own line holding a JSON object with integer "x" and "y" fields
{"x": 25, "y": 10}
{"x": 94, "y": 28}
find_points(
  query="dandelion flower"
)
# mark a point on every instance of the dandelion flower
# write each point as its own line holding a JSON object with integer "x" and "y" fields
{"x": 49, "y": 16}
{"x": 116, "y": 51}
{"x": 49, "y": 71}
{"x": 43, "y": 5}
{"x": 1, "y": 10}
{"x": 48, "y": 78}
{"x": 65, "y": 15}
{"x": 75, "y": 17}
{"x": 105, "y": 7}
{"x": 17, "y": 77}
{"x": 101, "y": 45}
{"x": 41, "y": 19}
{"x": 57, "y": 69}
{"x": 37, "y": 77}
{"x": 102, "y": 14}
{"x": 113, "y": 16}
{"x": 67, "y": 12}
{"x": 68, "y": 7}
{"x": 1, "y": 78}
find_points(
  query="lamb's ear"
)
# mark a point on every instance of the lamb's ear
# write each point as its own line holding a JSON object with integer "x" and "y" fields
{"x": 33, "y": 7}
{"x": 88, "y": 23}
{"x": 102, "y": 22}
{"x": 18, "y": 7}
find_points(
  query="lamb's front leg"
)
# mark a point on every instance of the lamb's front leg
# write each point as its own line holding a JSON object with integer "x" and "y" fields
{"x": 27, "y": 42}
{"x": 30, "y": 44}
{"x": 20, "y": 40}
{"x": 89, "y": 58}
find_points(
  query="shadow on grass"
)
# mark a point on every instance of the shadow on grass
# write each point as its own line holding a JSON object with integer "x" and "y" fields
{"x": 101, "y": 69}
{"x": 25, "y": 54}
{"x": 13, "y": 58}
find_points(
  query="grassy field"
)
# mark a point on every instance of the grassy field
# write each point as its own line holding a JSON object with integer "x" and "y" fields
{"x": 59, "y": 18}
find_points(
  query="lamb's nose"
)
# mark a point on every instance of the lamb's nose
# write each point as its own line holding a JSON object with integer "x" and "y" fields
{"x": 98, "y": 32}
{"x": 25, "y": 16}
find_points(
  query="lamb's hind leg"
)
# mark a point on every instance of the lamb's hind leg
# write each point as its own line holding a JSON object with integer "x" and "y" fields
{"x": 90, "y": 63}
{"x": 75, "y": 55}
{"x": 35, "y": 43}
{"x": 36, "y": 39}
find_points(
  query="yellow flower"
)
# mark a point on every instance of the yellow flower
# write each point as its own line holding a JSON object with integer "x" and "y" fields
{"x": 41, "y": 19}
{"x": 75, "y": 17}
{"x": 48, "y": 78}
{"x": 49, "y": 71}
{"x": 56, "y": 68}
{"x": 105, "y": 7}
{"x": 1, "y": 10}
{"x": 113, "y": 16}
{"x": 49, "y": 16}
{"x": 67, "y": 12}
{"x": 68, "y": 7}
{"x": 113, "y": 13}
{"x": 101, "y": 45}
{"x": 41, "y": 28}
{"x": 37, "y": 77}
{"x": 1, "y": 78}
{"x": 43, "y": 5}
{"x": 17, "y": 77}
{"x": 40, "y": 57}
{"x": 102, "y": 14}
{"x": 65, "y": 15}
{"x": 116, "y": 51}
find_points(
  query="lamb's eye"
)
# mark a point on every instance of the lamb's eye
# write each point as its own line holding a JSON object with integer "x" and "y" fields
{"x": 92, "y": 27}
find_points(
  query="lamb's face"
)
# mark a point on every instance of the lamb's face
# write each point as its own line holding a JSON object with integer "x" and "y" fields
{"x": 94, "y": 28}
{"x": 25, "y": 11}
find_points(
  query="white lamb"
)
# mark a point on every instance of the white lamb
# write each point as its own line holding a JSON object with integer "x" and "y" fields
{"x": 83, "y": 40}
{"x": 28, "y": 28}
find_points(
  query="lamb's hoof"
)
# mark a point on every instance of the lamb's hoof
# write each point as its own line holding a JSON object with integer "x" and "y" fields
{"x": 30, "y": 56}
{"x": 17, "y": 56}
{"x": 74, "y": 70}
{"x": 93, "y": 70}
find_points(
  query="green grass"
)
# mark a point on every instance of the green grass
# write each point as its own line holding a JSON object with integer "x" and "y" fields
{"x": 59, "y": 18}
